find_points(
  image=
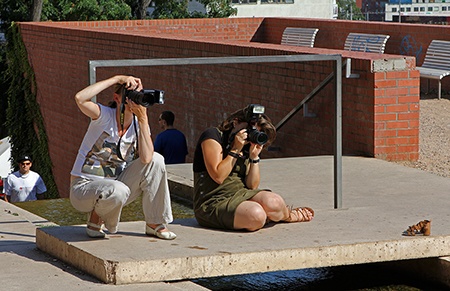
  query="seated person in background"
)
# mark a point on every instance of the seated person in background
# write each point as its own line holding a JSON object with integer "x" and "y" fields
{"x": 24, "y": 184}
{"x": 226, "y": 177}
{"x": 171, "y": 143}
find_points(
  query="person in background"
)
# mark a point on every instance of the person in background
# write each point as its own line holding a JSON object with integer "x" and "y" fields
{"x": 24, "y": 184}
{"x": 2, "y": 195}
{"x": 116, "y": 163}
{"x": 171, "y": 143}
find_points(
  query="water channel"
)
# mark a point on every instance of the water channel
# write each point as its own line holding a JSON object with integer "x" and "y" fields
{"x": 357, "y": 277}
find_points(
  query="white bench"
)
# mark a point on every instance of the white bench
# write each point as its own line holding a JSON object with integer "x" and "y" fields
{"x": 436, "y": 64}
{"x": 365, "y": 42}
{"x": 299, "y": 36}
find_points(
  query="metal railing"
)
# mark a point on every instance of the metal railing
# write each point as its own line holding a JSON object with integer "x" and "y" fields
{"x": 337, "y": 74}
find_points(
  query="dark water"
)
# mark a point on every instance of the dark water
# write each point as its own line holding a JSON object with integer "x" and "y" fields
{"x": 358, "y": 277}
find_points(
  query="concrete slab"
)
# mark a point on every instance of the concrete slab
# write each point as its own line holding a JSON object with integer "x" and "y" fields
{"x": 380, "y": 200}
{"x": 24, "y": 267}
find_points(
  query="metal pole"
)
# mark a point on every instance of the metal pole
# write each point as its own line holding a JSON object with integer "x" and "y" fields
{"x": 367, "y": 12}
{"x": 400, "y": 11}
{"x": 92, "y": 76}
{"x": 338, "y": 137}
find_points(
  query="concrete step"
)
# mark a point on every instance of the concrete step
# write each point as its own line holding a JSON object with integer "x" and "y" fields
{"x": 381, "y": 200}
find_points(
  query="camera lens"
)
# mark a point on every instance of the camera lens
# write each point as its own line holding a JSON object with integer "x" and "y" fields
{"x": 146, "y": 98}
{"x": 256, "y": 136}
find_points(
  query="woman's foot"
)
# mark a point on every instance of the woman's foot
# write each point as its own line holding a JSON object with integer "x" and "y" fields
{"x": 159, "y": 230}
{"x": 94, "y": 226}
{"x": 300, "y": 214}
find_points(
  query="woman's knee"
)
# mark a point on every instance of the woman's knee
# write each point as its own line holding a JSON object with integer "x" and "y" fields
{"x": 158, "y": 160}
{"x": 251, "y": 218}
{"x": 118, "y": 193}
{"x": 258, "y": 219}
{"x": 273, "y": 202}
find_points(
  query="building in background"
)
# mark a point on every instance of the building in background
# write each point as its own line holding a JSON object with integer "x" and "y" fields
{"x": 419, "y": 11}
{"x": 373, "y": 10}
{"x": 5, "y": 156}
{"x": 326, "y": 9}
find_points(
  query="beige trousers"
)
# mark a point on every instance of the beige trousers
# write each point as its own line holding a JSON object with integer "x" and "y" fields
{"x": 108, "y": 197}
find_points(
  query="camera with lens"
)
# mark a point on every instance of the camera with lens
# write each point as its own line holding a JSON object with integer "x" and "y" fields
{"x": 252, "y": 113}
{"x": 145, "y": 97}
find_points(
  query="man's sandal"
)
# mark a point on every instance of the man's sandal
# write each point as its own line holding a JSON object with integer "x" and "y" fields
{"x": 299, "y": 214}
{"x": 161, "y": 234}
{"x": 422, "y": 227}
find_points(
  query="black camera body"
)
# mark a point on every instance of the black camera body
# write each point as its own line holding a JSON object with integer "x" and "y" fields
{"x": 252, "y": 113}
{"x": 145, "y": 97}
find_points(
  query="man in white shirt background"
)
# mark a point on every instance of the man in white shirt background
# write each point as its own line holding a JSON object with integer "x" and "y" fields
{"x": 24, "y": 184}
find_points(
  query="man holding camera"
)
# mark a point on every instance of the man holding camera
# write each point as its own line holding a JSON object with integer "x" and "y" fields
{"x": 226, "y": 175}
{"x": 116, "y": 162}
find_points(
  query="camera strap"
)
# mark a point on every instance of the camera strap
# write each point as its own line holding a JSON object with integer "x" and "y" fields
{"x": 122, "y": 117}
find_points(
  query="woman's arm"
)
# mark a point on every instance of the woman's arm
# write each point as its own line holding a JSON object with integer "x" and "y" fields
{"x": 217, "y": 167}
{"x": 84, "y": 97}
{"x": 146, "y": 148}
{"x": 252, "y": 179}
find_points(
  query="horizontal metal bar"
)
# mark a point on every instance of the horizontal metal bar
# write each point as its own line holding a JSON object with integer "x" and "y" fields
{"x": 211, "y": 60}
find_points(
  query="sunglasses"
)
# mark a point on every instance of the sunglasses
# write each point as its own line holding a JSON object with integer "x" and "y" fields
{"x": 26, "y": 163}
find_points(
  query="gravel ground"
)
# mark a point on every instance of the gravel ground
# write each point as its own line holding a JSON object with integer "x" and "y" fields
{"x": 434, "y": 136}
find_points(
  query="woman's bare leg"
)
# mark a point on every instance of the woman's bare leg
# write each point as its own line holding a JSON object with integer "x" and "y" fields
{"x": 273, "y": 204}
{"x": 249, "y": 215}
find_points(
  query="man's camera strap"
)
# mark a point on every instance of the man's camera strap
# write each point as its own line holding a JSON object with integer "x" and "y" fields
{"x": 122, "y": 117}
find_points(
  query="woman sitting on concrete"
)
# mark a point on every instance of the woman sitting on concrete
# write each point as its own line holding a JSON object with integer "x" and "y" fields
{"x": 226, "y": 175}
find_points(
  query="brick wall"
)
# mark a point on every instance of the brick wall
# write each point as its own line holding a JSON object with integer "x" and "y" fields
{"x": 380, "y": 109}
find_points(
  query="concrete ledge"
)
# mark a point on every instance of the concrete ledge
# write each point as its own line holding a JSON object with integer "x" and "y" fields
{"x": 132, "y": 257}
{"x": 382, "y": 199}
{"x": 181, "y": 181}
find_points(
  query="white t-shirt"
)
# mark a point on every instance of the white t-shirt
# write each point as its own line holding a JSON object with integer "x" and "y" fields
{"x": 97, "y": 157}
{"x": 20, "y": 188}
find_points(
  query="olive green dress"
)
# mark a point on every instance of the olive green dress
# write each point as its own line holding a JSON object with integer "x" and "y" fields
{"x": 214, "y": 204}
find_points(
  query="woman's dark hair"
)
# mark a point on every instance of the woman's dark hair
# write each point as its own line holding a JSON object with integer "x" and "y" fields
{"x": 118, "y": 89}
{"x": 264, "y": 123}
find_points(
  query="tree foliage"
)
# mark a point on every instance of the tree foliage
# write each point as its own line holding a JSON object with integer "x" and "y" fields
{"x": 139, "y": 7}
{"x": 85, "y": 10}
{"x": 63, "y": 10}
{"x": 23, "y": 116}
{"x": 218, "y": 8}
{"x": 174, "y": 9}
{"x": 170, "y": 9}
{"x": 348, "y": 10}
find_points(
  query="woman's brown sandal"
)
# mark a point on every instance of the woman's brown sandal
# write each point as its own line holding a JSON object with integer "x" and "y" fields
{"x": 423, "y": 227}
{"x": 299, "y": 214}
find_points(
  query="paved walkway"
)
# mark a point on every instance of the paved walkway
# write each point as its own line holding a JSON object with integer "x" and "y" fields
{"x": 380, "y": 200}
